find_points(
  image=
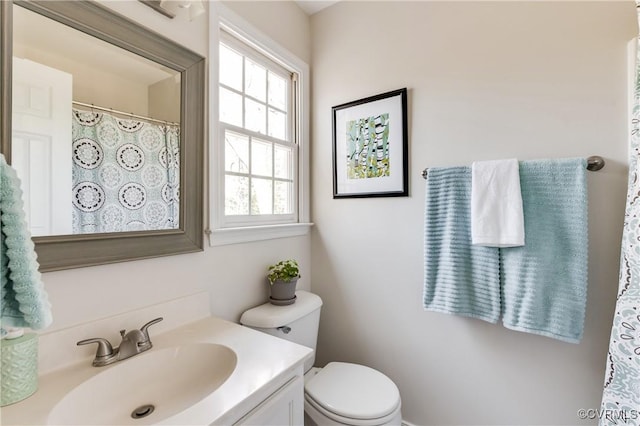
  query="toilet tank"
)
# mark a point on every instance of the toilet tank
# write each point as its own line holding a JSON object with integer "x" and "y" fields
{"x": 297, "y": 322}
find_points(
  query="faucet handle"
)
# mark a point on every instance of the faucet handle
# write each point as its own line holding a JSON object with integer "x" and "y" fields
{"x": 149, "y": 324}
{"x": 104, "y": 347}
{"x": 144, "y": 329}
{"x": 104, "y": 354}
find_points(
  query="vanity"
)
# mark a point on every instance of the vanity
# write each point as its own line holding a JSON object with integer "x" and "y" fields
{"x": 205, "y": 371}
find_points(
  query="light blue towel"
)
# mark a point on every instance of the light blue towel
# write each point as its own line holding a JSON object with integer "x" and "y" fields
{"x": 545, "y": 282}
{"x": 23, "y": 300}
{"x": 459, "y": 278}
{"x": 539, "y": 288}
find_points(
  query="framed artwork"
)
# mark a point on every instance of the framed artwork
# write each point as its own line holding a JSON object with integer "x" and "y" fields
{"x": 370, "y": 147}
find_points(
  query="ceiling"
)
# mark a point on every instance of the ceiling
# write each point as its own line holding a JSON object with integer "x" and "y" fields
{"x": 312, "y": 6}
{"x": 34, "y": 33}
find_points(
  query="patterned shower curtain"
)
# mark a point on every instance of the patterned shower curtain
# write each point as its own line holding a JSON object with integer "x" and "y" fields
{"x": 125, "y": 174}
{"x": 621, "y": 395}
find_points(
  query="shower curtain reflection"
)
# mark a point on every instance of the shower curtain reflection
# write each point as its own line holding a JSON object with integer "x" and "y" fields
{"x": 125, "y": 174}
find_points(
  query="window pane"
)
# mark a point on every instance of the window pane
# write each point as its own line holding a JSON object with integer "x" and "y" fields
{"x": 261, "y": 196}
{"x": 256, "y": 117}
{"x": 236, "y": 195}
{"x": 255, "y": 80}
{"x": 277, "y": 124}
{"x": 259, "y": 161}
{"x": 261, "y": 158}
{"x": 282, "y": 159}
{"x": 277, "y": 91}
{"x": 236, "y": 153}
{"x": 230, "y": 68}
{"x": 230, "y": 107}
{"x": 282, "y": 198}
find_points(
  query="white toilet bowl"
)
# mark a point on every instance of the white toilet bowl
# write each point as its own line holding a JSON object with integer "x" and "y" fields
{"x": 340, "y": 393}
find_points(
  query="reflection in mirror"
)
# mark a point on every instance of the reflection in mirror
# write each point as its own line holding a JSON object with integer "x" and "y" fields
{"x": 96, "y": 133}
{"x": 104, "y": 126}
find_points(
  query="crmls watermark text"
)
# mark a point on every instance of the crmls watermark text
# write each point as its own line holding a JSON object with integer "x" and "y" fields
{"x": 608, "y": 414}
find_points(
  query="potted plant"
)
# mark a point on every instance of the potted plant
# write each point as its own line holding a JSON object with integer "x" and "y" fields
{"x": 283, "y": 277}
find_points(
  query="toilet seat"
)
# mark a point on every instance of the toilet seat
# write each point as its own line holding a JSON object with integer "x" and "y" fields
{"x": 353, "y": 394}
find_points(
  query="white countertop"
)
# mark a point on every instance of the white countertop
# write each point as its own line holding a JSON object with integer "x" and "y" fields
{"x": 262, "y": 361}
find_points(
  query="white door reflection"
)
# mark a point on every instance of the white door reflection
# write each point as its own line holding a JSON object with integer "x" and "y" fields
{"x": 41, "y": 152}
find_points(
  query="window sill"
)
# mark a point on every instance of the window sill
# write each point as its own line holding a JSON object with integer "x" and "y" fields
{"x": 225, "y": 236}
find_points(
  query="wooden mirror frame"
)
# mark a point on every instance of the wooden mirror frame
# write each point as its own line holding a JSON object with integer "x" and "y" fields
{"x": 73, "y": 251}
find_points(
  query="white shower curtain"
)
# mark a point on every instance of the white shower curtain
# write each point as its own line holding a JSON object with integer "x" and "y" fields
{"x": 621, "y": 395}
{"x": 126, "y": 174}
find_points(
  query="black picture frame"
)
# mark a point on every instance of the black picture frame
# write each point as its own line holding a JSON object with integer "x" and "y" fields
{"x": 371, "y": 147}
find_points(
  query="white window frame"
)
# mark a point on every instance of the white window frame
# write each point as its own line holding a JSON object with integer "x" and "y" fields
{"x": 222, "y": 232}
{"x": 229, "y": 221}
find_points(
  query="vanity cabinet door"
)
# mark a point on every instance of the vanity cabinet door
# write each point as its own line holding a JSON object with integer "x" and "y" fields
{"x": 283, "y": 407}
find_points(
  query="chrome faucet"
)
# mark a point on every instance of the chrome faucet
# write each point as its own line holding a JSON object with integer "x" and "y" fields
{"x": 133, "y": 343}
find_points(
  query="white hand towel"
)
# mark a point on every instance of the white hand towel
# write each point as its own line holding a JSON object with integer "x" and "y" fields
{"x": 496, "y": 204}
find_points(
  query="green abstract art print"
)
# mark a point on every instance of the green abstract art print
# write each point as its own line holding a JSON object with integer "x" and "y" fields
{"x": 368, "y": 147}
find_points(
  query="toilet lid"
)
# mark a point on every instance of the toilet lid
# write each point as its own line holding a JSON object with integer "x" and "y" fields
{"x": 353, "y": 391}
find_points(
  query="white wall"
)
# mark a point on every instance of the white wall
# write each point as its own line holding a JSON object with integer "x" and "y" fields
{"x": 486, "y": 80}
{"x": 93, "y": 85}
{"x": 164, "y": 100}
{"x": 281, "y": 20}
{"x": 234, "y": 275}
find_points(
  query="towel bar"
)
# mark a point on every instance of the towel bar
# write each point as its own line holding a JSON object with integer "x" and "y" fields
{"x": 594, "y": 163}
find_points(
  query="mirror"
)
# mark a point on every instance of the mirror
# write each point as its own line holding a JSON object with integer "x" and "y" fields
{"x": 129, "y": 112}
{"x": 87, "y": 166}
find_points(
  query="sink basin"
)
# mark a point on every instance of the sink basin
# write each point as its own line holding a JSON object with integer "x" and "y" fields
{"x": 169, "y": 379}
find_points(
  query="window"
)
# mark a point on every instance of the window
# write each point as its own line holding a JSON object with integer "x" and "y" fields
{"x": 260, "y": 186}
{"x": 256, "y": 124}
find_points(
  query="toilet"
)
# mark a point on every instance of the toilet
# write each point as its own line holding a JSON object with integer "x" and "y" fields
{"x": 340, "y": 393}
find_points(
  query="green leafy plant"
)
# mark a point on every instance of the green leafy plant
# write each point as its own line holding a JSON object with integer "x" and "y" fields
{"x": 285, "y": 270}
